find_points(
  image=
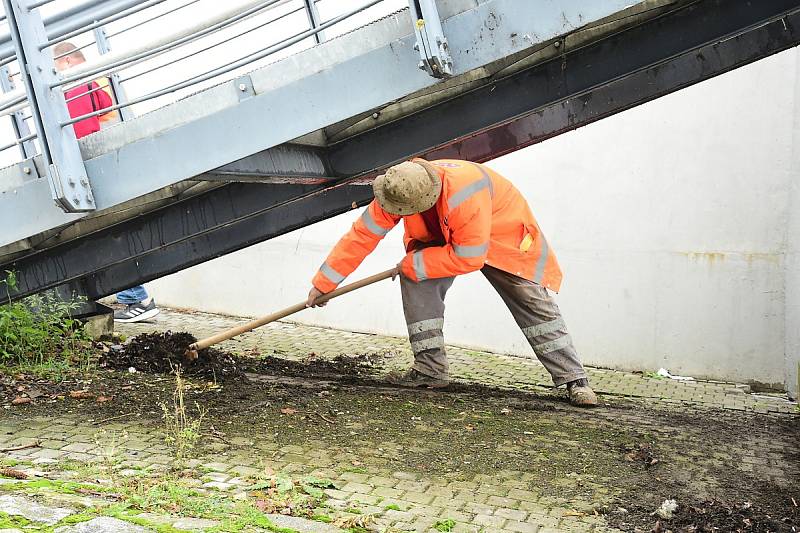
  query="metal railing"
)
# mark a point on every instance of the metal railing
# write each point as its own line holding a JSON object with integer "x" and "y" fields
{"x": 178, "y": 45}
{"x": 28, "y": 49}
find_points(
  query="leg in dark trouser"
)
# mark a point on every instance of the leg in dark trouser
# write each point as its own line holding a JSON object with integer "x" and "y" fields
{"x": 423, "y": 305}
{"x": 539, "y": 318}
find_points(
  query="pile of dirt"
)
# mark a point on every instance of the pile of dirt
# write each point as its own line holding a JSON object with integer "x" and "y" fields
{"x": 161, "y": 353}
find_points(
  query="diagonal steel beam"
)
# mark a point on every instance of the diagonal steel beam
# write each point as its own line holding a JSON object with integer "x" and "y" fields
{"x": 282, "y": 164}
{"x": 180, "y": 235}
{"x": 660, "y": 56}
{"x": 313, "y": 208}
{"x": 292, "y": 172}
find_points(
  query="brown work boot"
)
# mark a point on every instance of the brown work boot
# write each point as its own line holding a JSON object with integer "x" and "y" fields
{"x": 413, "y": 378}
{"x": 581, "y": 394}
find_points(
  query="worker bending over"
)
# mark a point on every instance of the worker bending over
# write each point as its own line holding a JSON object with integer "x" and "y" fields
{"x": 461, "y": 217}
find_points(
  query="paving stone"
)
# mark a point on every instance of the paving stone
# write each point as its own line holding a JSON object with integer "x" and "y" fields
{"x": 512, "y": 514}
{"x": 103, "y": 524}
{"x": 489, "y": 520}
{"x": 216, "y": 467}
{"x": 302, "y": 525}
{"x": 33, "y": 511}
{"x": 522, "y": 527}
{"x": 246, "y": 471}
{"x": 194, "y": 524}
{"x": 217, "y": 485}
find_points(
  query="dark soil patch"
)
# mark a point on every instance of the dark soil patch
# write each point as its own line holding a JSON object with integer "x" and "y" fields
{"x": 341, "y": 366}
{"x": 642, "y": 452}
{"x": 161, "y": 353}
{"x": 723, "y": 516}
{"x": 700, "y": 466}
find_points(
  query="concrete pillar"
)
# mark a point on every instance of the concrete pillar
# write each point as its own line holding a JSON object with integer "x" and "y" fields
{"x": 792, "y": 292}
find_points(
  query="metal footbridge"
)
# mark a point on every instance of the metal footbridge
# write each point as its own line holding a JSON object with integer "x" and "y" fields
{"x": 240, "y": 121}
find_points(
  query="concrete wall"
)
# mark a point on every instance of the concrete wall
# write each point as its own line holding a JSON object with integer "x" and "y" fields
{"x": 669, "y": 221}
{"x": 793, "y": 256}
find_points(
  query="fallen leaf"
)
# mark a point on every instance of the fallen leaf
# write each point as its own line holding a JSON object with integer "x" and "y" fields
{"x": 12, "y": 473}
{"x": 20, "y": 400}
{"x": 288, "y": 411}
{"x": 34, "y": 393}
{"x": 104, "y": 399}
{"x": 470, "y": 428}
{"x": 505, "y": 411}
{"x": 356, "y": 463}
{"x": 80, "y": 394}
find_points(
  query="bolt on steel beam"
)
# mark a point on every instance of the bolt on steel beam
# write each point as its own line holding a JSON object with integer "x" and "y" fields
{"x": 431, "y": 42}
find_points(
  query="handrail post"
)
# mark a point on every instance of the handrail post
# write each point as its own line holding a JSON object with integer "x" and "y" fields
{"x": 61, "y": 154}
{"x": 104, "y": 47}
{"x": 314, "y": 19}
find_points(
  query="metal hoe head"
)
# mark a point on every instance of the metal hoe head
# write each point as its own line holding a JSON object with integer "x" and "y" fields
{"x": 191, "y": 353}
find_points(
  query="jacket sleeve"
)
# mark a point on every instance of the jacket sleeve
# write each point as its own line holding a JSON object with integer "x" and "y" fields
{"x": 102, "y": 98}
{"x": 470, "y": 229}
{"x": 358, "y": 243}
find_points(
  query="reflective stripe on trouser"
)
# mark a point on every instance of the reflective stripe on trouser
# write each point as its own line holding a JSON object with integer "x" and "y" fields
{"x": 423, "y": 305}
{"x": 538, "y": 316}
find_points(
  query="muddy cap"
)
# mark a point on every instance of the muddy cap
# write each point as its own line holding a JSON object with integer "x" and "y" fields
{"x": 408, "y": 188}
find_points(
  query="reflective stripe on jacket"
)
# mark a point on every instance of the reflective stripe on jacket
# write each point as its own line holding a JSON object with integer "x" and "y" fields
{"x": 484, "y": 220}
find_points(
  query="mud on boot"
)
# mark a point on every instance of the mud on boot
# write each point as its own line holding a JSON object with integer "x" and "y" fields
{"x": 580, "y": 394}
{"x": 413, "y": 378}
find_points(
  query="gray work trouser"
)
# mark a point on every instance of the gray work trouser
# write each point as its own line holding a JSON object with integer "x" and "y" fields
{"x": 533, "y": 308}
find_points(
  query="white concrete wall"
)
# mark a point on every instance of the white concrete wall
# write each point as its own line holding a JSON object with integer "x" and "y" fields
{"x": 669, "y": 221}
{"x": 793, "y": 256}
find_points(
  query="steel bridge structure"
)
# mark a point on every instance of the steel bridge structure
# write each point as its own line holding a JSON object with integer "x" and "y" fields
{"x": 292, "y": 132}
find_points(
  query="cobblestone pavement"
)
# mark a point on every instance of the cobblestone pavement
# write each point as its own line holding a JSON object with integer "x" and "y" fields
{"x": 297, "y": 341}
{"x": 390, "y": 478}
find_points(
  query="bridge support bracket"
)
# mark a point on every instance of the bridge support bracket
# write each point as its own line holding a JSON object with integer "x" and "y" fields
{"x": 431, "y": 42}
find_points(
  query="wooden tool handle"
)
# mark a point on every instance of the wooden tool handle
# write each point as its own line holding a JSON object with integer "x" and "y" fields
{"x": 238, "y": 330}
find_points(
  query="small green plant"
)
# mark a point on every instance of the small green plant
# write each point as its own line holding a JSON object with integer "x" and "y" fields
{"x": 653, "y": 375}
{"x": 182, "y": 429}
{"x": 392, "y": 507}
{"x": 444, "y": 525}
{"x": 38, "y": 333}
{"x": 109, "y": 445}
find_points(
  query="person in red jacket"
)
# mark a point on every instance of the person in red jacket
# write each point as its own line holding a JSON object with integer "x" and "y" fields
{"x": 83, "y": 100}
{"x": 461, "y": 217}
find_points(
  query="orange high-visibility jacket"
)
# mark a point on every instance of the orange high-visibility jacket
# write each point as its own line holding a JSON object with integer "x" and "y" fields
{"x": 484, "y": 220}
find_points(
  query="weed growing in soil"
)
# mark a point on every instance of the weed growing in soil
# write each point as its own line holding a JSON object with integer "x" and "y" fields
{"x": 38, "y": 333}
{"x": 182, "y": 429}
